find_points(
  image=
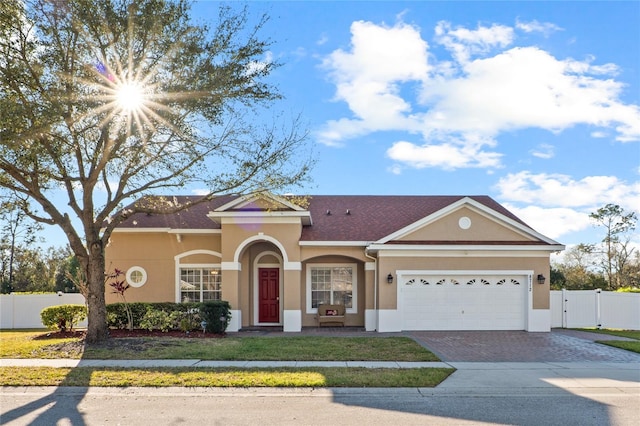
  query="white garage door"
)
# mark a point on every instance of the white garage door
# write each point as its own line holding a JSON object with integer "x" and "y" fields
{"x": 463, "y": 302}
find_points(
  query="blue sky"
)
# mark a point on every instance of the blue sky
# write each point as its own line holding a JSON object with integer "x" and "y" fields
{"x": 533, "y": 103}
{"x": 536, "y": 104}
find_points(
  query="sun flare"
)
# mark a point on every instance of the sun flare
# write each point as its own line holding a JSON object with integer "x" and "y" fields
{"x": 130, "y": 97}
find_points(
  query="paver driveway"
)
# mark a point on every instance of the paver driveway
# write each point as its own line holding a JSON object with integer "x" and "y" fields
{"x": 520, "y": 346}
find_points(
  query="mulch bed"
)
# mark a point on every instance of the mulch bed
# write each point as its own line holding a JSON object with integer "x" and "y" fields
{"x": 118, "y": 333}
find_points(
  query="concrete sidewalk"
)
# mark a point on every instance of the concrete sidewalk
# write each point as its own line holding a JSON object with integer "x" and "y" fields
{"x": 496, "y": 376}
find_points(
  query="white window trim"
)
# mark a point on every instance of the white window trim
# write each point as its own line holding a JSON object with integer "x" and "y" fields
{"x": 354, "y": 284}
{"x": 194, "y": 266}
{"x": 131, "y": 282}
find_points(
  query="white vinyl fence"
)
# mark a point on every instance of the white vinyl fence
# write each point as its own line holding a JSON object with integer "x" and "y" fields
{"x": 595, "y": 308}
{"x": 23, "y": 310}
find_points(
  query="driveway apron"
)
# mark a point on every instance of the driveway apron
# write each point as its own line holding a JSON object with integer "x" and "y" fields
{"x": 521, "y": 346}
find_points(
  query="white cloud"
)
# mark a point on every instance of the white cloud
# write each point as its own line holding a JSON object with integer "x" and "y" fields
{"x": 200, "y": 191}
{"x": 598, "y": 134}
{"x": 391, "y": 81}
{"x": 446, "y": 155}
{"x": 545, "y": 28}
{"x": 558, "y": 190}
{"x": 544, "y": 151}
{"x": 395, "y": 169}
{"x": 556, "y": 204}
{"x": 551, "y": 222}
{"x": 526, "y": 87}
{"x": 367, "y": 78}
{"x": 322, "y": 40}
{"x": 463, "y": 43}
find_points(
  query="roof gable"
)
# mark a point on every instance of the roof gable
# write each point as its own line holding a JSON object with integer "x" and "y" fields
{"x": 468, "y": 221}
{"x": 259, "y": 202}
{"x": 464, "y": 224}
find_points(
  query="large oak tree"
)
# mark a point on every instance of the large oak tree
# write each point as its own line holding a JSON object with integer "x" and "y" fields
{"x": 105, "y": 101}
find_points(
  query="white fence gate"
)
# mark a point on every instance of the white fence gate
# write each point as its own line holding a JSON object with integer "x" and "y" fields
{"x": 595, "y": 308}
{"x": 23, "y": 310}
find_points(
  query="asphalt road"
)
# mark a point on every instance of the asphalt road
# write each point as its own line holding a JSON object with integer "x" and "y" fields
{"x": 197, "y": 406}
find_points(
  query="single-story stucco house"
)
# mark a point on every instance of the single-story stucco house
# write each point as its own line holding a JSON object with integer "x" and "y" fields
{"x": 395, "y": 262}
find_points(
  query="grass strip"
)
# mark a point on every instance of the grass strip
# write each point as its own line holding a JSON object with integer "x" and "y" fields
{"x": 224, "y": 377}
{"x": 630, "y": 334}
{"x": 622, "y": 344}
{"x": 633, "y": 346}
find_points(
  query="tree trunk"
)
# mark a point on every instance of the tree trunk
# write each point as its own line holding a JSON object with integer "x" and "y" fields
{"x": 97, "y": 329}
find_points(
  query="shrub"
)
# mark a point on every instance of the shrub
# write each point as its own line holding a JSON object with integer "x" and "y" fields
{"x": 628, "y": 290}
{"x": 117, "y": 314}
{"x": 186, "y": 315}
{"x": 217, "y": 315}
{"x": 158, "y": 320}
{"x": 63, "y": 317}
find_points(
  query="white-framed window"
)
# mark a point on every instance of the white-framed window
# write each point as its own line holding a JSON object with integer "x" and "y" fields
{"x": 136, "y": 276}
{"x": 200, "y": 284}
{"x": 334, "y": 284}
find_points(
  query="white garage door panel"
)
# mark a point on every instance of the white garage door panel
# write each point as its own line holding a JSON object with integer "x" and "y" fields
{"x": 464, "y": 302}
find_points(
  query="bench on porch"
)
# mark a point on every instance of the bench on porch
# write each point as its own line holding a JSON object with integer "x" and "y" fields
{"x": 331, "y": 314}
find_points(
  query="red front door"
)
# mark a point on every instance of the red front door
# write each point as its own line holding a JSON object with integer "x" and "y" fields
{"x": 269, "y": 295}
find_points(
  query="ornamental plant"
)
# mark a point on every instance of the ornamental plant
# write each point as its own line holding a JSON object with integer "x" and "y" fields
{"x": 120, "y": 286}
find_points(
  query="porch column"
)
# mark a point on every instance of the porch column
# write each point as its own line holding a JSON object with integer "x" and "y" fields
{"x": 292, "y": 311}
{"x": 370, "y": 301}
{"x": 230, "y": 293}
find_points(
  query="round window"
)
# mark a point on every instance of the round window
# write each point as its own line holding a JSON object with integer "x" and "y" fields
{"x": 464, "y": 222}
{"x": 136, "y": 276}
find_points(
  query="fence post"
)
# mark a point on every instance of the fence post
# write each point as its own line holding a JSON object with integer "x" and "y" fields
{"x": 564, "y": 308}
{"x": 598, "y": 317}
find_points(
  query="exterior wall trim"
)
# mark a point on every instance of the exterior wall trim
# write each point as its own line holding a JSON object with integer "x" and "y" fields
{"x": 194, "y": 231}
{"x": 199, "y": 251}
{"x": 260, "y": 237}
{"x": 136, "y": 230}
{"x": 231, "y": 266}
{"x": 293, "y": 266}
{"x": 334, "y": 243}
{"x": 453, "y": 249}
{"x": 253, "y": 219}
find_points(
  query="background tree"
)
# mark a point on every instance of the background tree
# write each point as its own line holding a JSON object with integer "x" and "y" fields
{"x": 104, "y": 102}
{"x": 578, "y": 271}
{"x": 617, "y": 224}
{"x": 66, "y": 273}
{"x": 17, "y": 233}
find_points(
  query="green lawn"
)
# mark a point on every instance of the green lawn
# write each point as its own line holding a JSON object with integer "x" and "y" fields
{"x": 28, "y": 344}
{"x": 298, "y": 348}
{"x": 31, "y": 344}
{"x": 627, "y": 345}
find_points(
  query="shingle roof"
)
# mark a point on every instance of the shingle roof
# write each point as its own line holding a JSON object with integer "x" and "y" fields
{"x": 371, "y": 218}
{"x": 335, "y": 217}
